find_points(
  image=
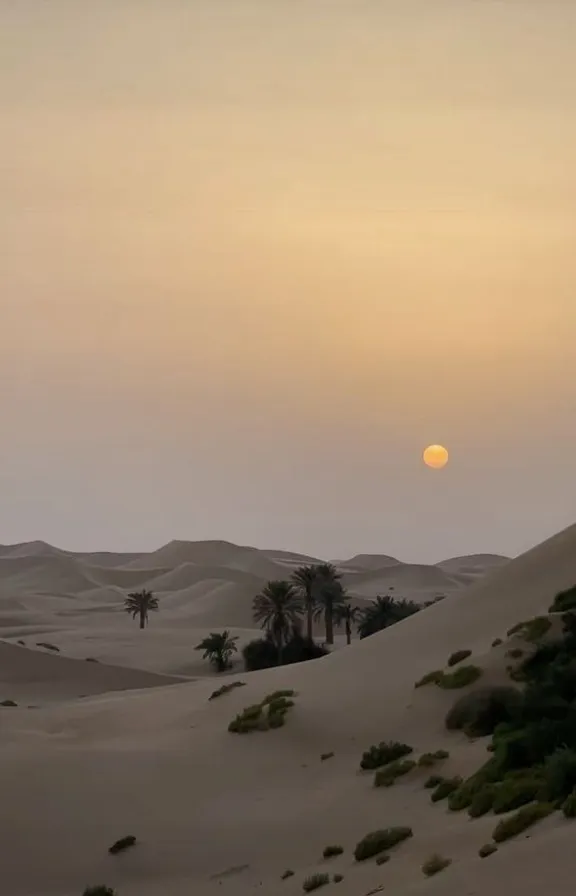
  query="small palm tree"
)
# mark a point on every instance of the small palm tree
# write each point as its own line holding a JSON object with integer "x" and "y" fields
{"x": 330, "y": 595}
{"x": 349, "y": 615}
{"x": 385, "y": 611}
{"x": 305, "y": 579}
{"x": 278, "y": 608}
{"x": 140, "y": 603}
{"x": 218, "y": 647}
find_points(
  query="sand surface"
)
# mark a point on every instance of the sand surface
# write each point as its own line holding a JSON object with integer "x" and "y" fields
{"x": 221, "y": 813}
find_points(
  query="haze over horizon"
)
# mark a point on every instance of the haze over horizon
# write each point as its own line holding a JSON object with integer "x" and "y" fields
{"x": 256, "y": 256}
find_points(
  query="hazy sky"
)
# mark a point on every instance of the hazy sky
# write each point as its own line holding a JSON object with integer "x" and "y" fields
{"x": 256, "y": 254}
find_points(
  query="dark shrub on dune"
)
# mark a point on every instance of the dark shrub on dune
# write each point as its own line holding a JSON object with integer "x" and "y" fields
{"x": 262, "y": 653}
{"x": 479, "y": 712}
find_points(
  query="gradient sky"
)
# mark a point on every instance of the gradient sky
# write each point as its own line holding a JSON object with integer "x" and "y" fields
{"x": 256, "y": 254}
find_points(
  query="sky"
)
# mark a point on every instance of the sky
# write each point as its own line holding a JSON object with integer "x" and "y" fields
{"x": 255, "y": 255}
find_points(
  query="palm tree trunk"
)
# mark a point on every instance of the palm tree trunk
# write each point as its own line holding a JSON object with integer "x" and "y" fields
{"x": 348, "y": 632}
{"x": 329, "y": 625}
{"x": 142, "y": 619}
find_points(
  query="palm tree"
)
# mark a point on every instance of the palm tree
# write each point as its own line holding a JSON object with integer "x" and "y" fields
{"x": 278, "y": 608}
{"x": 330, "y": 595}
{"x": 218, "y": 647}
{"x": 385, "y": 611}
{"x": 305, "y": 579}
{"x": 140, "y": 603}
{"x": 349, "y": 615}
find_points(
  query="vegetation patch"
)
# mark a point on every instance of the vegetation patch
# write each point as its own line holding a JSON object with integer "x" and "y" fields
{"x": 383, "y": 753}
{"x": 383, "y": 858}
{"x": 288, "y": 873}
{"x": 326, "y": 756}
{"x": 461, "y": 678}
{"x": 564, "y": 601}
{"x": 458, "y": 656}
{"x": 428, "y": 760}
{"x": 380, "y": 841}
{"x": 497, "y": 642}
{"x": 515, "y": 653}
{"x": 122, "y": 844}
{"x": 387, "y": 775}
{"x": 569, "y": 806}
{"x": 480, "y": 712}
{"x": 270, "y": 713}
{"x": 430, "y": 678}
{"x": 521, "y": 820}
{"x": 445, "y": 788}
{"x": 532, "y": 629}
{"x": 433, "y": 781}
{"x": 263, "y": 653}
{"x": 226, "y": 688}
{"x": 315, "y": 881}
{"x": 99, "y": 890}
{"x": 331, "y": 851}
{"x": 487, "y": 850}
{"x": 338, "y": 878}
{"x": 48, "y": 646}
{"x": 8, "y": 703}
{"x": 435, "y": 864}
{"x": 483, "y": 801}
{"x": 512, "y": 794}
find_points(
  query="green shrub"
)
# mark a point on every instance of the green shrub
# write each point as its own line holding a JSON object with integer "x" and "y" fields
{"x": 482, "y": 801}
{"x": 331, "y": 851}
{"x": 560, "y": 774}
{"x": 430, "y": 678}
{"x": 515, "y": 653}
{"x": 338, "y": 878}
{"x": 461, "y": 678}
{"x": 288, "y": 873}
{"x": 445, "y": 788}
{"x": 497, "y": 642}
{"x": 569, "y": 806}
{"x": 427, "y": 760}
{"x": 278, "y": 695}
{"x": 385, "y": 752}
{"x": 487, "y": 850}
{"x": 524, "y": 818}
{"x": 435, "y": 864}
{"x": 387, "y": 775}
{"x": 225, "y": 689}
{"x": 458, "y": 656}
{"x": 462, "y": 797}
{"x": 326, "y": 756}
{"x": 512, "y": 794}
{"x": 262, "y": 653}
{"x": 8, "y": 703}
{"x": 478, "y": 713}
{"x": 315, "y": 881}
{"x": 564, "y": 600}
{"x": 48, "y": 646}
{"x": 532, "y": 629}
{"x": 270, "y": 713}
{"x": 380, "y": 841}
{"x": 433, "y": 781}
{"x": 100, "y": 890}
{"x": 122, "y": 844}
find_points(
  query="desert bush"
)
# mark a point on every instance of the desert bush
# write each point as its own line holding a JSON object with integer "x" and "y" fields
{"x": 532, "y": 629}
{"x": 487, "y": 850}
{"x": 100, "y": 890}
{"x": 428, "y": 760}
{"x": 8, "y": 703}
{"x": 380, "y": 841}
{"x": 387, "y": 775}
{"x": 430, "y": 678}
{"x": 122, "y": 844}
{"x": 497, "y": 642}
{"x": 482, "y": 801}
{"x": 461, "y": 678}
{"x": 331, "y": 851}
{"x": 288, "y": 873}
{"x": 325, "y": 756}
{"x": 383, "y": 858}
{"x": 515, "y": 653}
{"x": 479, "y": 712}
{"x": 564, "y": 600}
{"x": 383, "y": 753}
{"x": 569, "y": 806}
{"x": 524, "y": 818}
{"x": 512, "y": 794}
{"x": 226, "y": 688}
{"x": 315, "y": 881}
{"x": 338, "y": 878}
{"x": 262, "y": 653}
{"x": 48, "y": 646}
{"x": 433, "y": 781}
{"x": 458, "y": 656}
{"x": 270, "y": 713}
{"x": 435, "y": 864}
{"x": 445, "y": 788}
{"x": 560, "y": 774}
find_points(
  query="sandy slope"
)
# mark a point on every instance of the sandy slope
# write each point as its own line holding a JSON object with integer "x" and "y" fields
{"x": 219, "y": 813}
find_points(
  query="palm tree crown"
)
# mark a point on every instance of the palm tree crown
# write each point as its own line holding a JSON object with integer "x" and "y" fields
{"x": 385, "y": 611}
{"x": 305, "y": 579}
{"x": 278, "y": 609}
{"x": 140, "y": 603}
{"x": 330, "y": 595}
{"x": 218, "y": 647}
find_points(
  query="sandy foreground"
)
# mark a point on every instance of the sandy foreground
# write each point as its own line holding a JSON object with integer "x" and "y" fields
{"x": 221, "y": 813}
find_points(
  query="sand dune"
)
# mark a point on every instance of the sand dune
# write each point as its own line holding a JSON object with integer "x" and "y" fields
{"x": 218, "y": 813}
{"x": 473, "y": 563}
{"x": 414, "y": 581}
{"x": 44, "y": 573}
{"x": 367, "y": 562}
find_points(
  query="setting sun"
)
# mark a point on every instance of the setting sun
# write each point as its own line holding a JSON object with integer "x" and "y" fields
{"x": 435, "y": 456}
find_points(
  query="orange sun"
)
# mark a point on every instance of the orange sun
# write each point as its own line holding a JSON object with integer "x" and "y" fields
{"x": 435, "y": 456}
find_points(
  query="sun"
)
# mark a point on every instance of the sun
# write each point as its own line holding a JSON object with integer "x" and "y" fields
{"x": 435, "y": 456}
